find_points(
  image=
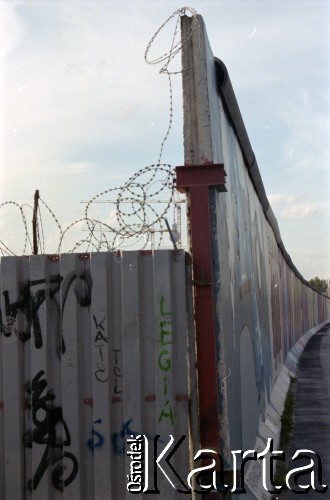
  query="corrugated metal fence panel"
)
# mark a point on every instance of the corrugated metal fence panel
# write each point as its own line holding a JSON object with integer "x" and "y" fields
{"x": 12, "y": 404}
{"x": 95, "y": 348}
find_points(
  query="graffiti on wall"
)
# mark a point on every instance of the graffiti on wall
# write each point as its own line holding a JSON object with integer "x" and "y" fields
{"x": 118, "y": 375}
{"x": 97, "y": 439}
{"x": 100, "y": 343}
{"x": 118, "y": 439}
{"x": 50, "y": 430}
{"x": 165, "y": 359}
{"x": 66, "y": 370}
{"x": 29, "y": 301}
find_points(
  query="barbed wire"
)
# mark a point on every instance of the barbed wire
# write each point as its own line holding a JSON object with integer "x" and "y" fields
{"x": 135, "y": 218}
{"x": 5, "y": 250}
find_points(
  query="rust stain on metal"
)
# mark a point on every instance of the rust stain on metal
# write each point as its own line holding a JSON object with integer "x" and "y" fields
{"x": 150, "y": 397}
{"x": 53, "y": 258}
{"x": 181, "y": 397}
{"x": 115, "y": 399}
{"x": 84, "y": 256}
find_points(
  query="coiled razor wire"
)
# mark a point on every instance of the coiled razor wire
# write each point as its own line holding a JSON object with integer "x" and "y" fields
{"x": 5, "y": 250}
{"x": 143, "y": 202}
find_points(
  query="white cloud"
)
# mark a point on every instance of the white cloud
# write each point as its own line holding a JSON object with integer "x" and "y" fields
{"x": 78, "y": 167}
{"x": 302, "y": 211}
{"x": 295, "y": 208}
{"x": 306, "y": 117}
{"x": 11, "y": 28}
{"x": 304, "y": 224}
{"x": 280, "y": 198}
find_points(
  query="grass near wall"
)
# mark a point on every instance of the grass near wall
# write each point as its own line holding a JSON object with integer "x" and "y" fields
{"x": 286, "y": 433}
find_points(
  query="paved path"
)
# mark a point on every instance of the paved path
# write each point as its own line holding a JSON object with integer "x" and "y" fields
{"x": 312, "y": 409}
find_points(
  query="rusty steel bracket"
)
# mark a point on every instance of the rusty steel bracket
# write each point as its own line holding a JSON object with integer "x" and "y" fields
{"x": 208, "y": 175}
{"x": 196, "y": 182}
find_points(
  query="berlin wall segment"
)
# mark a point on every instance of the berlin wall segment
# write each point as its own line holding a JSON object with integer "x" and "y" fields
{"x": 257, "y": 291}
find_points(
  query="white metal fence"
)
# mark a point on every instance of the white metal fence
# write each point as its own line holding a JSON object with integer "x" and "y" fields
{"x": 94, "y": 348}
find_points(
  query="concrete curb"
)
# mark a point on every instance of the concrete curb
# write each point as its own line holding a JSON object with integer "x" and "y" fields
{"x": 270, "y": 426}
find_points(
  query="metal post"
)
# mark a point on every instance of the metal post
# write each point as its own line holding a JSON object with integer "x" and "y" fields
{"x": 35, "y": 222}
{"x": 196, "y": 181}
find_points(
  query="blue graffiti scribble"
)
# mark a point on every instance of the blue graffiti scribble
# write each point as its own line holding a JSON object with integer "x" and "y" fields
{"x": 92, "y": 444}
{"x": 118, "y": 440}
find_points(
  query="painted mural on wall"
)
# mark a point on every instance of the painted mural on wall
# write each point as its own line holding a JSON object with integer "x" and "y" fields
{"x": 259, "y": 296}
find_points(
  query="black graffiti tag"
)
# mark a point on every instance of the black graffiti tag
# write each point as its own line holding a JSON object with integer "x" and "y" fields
{"x": 100, "y": 341}
{"x": 29, "y": 303}
{"x": 50, "y": 430}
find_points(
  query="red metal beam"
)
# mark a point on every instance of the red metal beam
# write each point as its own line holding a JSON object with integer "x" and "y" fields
{"x": 196, "y": 181}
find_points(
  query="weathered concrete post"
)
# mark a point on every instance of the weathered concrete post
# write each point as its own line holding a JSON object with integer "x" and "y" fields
{"x": 202, "y": 174}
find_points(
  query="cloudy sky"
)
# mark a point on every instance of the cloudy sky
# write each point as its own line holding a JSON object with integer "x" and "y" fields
{"x": 81, "y": 111}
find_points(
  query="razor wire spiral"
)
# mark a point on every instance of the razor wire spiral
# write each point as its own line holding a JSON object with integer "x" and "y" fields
{"x": 136, "y": 216}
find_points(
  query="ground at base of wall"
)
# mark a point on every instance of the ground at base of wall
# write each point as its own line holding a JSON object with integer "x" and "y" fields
{"x": 311, "y": 415}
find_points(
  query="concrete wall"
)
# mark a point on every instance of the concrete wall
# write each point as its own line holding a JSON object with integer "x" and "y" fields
{"x": 262, "y": 305}
{"x": 93, "y": 348}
